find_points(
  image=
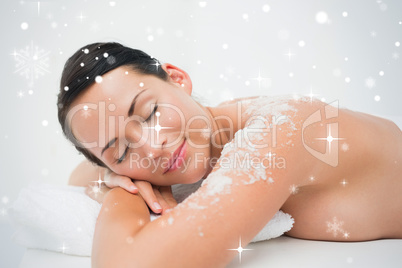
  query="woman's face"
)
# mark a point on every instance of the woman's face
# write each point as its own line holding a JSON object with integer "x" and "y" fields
{"x": 142, "y": 141}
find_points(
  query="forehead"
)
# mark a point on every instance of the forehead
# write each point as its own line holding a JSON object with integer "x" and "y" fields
{"x": 112, "y": 94}
{"x": 113, "y": 85}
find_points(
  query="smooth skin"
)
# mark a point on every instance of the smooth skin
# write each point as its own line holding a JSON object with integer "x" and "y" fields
{"x": 198, "y": 232}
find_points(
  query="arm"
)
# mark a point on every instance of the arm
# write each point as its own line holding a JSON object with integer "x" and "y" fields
{"x": 86, "y": 174}
{"x": 122, "y": 216}
{"x": 195, "y": 237}
{"x": 199, "y": 231}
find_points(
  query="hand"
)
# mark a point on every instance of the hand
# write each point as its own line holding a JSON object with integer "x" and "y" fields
{"x": 158, "y": 198}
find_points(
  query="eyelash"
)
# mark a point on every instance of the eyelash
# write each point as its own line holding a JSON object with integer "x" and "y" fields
{"x": 121, "y": 159}
{"x": 152, "y": 113}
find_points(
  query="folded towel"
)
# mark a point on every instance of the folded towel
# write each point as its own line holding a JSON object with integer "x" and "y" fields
{"x": 55, "y": 218}
{"x": 62, "y": 218}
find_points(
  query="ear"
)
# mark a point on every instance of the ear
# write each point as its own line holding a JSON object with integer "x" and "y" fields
{"x": 178, "y": 77}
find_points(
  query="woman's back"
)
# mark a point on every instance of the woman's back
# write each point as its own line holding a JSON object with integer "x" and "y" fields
{"x": 350, "y": 162}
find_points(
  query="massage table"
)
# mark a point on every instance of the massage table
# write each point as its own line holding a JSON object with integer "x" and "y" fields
{"x": 279, "y": 252}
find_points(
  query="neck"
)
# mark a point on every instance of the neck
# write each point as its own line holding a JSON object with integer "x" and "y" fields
{"x": 222, "y": 131}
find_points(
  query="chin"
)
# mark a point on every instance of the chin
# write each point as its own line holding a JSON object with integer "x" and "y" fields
{"x": 193, "y": 178}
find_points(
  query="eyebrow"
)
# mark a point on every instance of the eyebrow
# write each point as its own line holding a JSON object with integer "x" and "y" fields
{"x": 111, "y": 142}
{"x": 132, "y": 105}
{"x": 129, "y": 113}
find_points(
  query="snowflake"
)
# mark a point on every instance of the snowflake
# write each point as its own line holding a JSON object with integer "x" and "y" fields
{"x": 229, "y": 70}
{"x": 294, "y": 189}
{"x": 370, "y": 82}
{"x": 335, "y": 227}
{"x": 31, "y": 62}
{"x": 5, "y": 199}
{"x": 129, "y": 239}
{"x": 95, "y": 190}
{"x": 3, "y": 212}
{"x": 163, "y": 223}
{"x": 95, "y": 27}
{"x": 63, "y": 248}
{"x": 345, "y": 147}
{"x": 99, "y": 181}
{"x": 265, "y": 80}
{"x": 240, "y": 249}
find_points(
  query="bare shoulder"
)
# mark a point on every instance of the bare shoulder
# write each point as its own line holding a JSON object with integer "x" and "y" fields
{"x": 303, "y": 134}
{"x": 229, "y": 102}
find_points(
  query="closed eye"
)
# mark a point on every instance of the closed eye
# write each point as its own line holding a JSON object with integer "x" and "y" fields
{"x": 152, "y": 113}
{"x": 121, "y": 159}
{"x": 123, "y": 156}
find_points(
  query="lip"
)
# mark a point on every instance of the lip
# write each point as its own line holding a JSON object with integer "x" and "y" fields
{"x": 177, "y": 158}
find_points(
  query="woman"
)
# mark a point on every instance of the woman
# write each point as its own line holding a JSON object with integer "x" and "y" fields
{"x": 337, "y": 172}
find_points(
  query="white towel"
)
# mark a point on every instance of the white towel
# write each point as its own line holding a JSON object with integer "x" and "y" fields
{"x": 55, "y": 218}
{"x": 62, "y": 218}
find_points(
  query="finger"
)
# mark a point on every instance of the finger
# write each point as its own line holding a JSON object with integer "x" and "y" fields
{"x": 114, "y": 180}
{"x": 165, "y": 206}
{"x": 147, "y": 193}
{"x": 166, "y": 192}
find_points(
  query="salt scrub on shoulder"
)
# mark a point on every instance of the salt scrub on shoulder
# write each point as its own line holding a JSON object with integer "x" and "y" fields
{"x": 240, "y": 158}
{"x": 217, "y": 183}
{"x": 270, "y": 106}
{"x": 237, "y": 156}
{"x": 266, "y": 113}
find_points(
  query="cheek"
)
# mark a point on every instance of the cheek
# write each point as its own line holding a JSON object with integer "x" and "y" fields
{"x": 172, "y": 118}
{"x": 179, "y": 119}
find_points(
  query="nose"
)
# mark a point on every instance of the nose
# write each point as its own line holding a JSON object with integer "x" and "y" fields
{"x": 153, "y": 148}
{"x": 146, "y": 140}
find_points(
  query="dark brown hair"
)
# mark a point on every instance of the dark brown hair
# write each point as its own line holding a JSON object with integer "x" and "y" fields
{"x": 85, "y": 65}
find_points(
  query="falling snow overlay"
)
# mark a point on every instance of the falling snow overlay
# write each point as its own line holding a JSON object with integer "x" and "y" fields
{"x": 31, "y": 62}
{"x": 240, "y": 249}
{"x": 343, "y": 50}
{"x": 336, "y": 227}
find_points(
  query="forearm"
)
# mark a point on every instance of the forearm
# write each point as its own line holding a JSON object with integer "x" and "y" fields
{"x": 121, "y": 217}
{"x": 198, "y": 233}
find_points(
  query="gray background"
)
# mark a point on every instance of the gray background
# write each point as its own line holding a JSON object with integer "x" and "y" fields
{"x": 223, "y": 45}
